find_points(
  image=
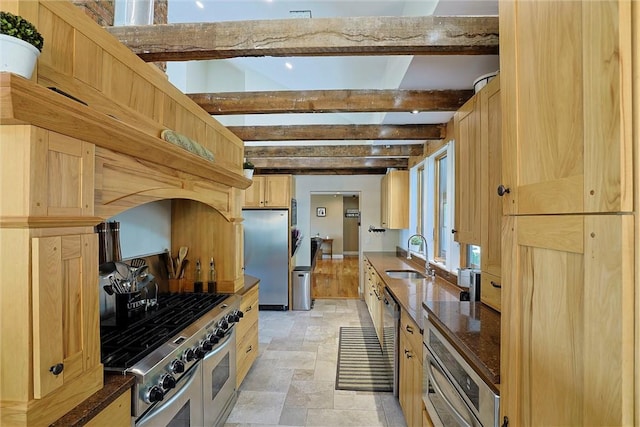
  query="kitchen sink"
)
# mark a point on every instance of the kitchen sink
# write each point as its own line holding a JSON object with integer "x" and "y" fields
{"x": 405, "y": 274}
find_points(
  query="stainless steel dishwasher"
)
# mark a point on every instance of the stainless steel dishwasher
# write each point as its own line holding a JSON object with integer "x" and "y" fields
{"x": 391, "y": 327}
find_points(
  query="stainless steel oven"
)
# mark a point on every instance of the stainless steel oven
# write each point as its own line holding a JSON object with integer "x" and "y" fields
{"x": 453, "y": 393}
{"x": 182, "y": 354}
{"x": 219, "y": 381}
{"x": 182, "y": 407}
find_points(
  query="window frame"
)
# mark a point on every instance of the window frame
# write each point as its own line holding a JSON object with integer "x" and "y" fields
{"x": 436, "y": 204}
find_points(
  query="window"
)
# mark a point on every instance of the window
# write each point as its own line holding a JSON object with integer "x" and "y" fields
{"x": 420, "y": 228}
{"x": 441, "y": 226}
{"x": 473, "y": 256}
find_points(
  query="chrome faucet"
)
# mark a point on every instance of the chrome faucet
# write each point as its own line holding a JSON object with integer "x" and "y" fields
{"x": 427, "y": 270}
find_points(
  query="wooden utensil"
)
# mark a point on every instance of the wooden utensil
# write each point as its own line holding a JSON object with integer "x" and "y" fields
{"x": 182, "y": 254}
{"x": 168, "y": 260}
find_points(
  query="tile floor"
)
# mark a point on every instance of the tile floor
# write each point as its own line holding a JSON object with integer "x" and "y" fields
{"x": 292, "y": 382}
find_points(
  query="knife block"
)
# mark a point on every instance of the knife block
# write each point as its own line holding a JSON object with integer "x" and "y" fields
{"x": 127, "y": 306}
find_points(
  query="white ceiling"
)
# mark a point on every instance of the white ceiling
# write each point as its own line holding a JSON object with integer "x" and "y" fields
{"x": 376, "y": 72}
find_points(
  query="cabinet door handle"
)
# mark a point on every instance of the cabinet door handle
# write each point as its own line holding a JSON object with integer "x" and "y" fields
{"x": 502, "y": 190}
{"x": 408, "y": 354}
{"x": 249, "y": 349}
{"x": 57, "y": 369}
{"x": 505, "y": 422}
{"x": 454, "y": 231}
{"x": 409, "y": 329}
{"x": 496, "y": 285}
{"x": 248, "y": 309}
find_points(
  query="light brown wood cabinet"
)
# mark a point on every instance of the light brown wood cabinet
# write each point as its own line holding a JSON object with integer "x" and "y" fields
{"x": 467, "y": 214}
{"x": 490, "y": 201}
{"x": 567, "y": 142}
{"x": 569, "y": 296}
{"x": 269, "y": 191}
{"x": 65, "y": 312}
{"x": 247, "y": 335}
{"x": 395, "y": 200}
{"x": 410, "y": 370}
{"x": 53, "y": 194}
{"x": 566, "y": 324}
{"x": 49, "y": 314}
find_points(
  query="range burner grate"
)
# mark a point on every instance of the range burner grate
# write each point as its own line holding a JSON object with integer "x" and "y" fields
{"x": 122, "y": 347}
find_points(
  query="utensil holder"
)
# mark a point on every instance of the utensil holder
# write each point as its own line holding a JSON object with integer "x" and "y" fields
{"x": 127, "y": 306}
{"x": 177, "y": 285}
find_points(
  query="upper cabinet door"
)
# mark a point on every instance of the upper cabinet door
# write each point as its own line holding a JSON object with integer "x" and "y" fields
{"x": 467, "y": 133}
{"x": 277, "y": 191}
{"x": 491, "y": 177}
{"x": 254, "y": 194}
{"x": 566, "y": 92}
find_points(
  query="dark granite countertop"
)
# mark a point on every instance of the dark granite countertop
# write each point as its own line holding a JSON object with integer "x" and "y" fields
{"x": 410, "y": 293}
{"x": 474, "y": 330}
{"x": 114, "y": 386}
{"x": 249, "y": 282}
{"x": 472, "y": 327}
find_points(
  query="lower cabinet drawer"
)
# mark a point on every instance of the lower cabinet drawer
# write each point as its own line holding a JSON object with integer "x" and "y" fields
{"x": 247, "y": 351}
{"x": 249, "y": 308}
{"x": 490, "y": 292}
{"x": 411, "y": 329}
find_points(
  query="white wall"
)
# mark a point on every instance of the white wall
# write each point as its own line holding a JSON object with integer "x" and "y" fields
{"x": 329, "y": 226}
{"x": 368, "y": 187}
{"x": 145, "y": 230}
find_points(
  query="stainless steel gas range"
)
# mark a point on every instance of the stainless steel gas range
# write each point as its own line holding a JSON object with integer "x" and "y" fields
{"x": 182, "y": 353}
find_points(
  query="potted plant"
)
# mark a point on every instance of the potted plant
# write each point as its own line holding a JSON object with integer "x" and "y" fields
{"x": 248, "y": 168}
{"x": 20, "y": 45}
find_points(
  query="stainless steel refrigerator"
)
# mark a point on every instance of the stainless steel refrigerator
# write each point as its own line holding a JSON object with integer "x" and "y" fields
{"x": 266, "y": 254}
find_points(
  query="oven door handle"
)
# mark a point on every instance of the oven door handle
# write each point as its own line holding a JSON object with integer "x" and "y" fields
{"x": 445, "y": 398}
{"x": 222, "y": 344}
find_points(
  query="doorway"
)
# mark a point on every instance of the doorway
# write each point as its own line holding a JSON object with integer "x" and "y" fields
{"x": 335, "y": 216}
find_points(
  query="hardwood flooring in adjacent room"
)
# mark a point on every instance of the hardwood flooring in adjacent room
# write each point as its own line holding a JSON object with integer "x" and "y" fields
{"x": 336, "y": 278}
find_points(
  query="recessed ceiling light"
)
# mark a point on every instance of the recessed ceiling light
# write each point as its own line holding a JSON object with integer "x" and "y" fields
{"x": 288, "y": 65}
{"x": 415, "y": 112}
{"x": 199, "y": 4}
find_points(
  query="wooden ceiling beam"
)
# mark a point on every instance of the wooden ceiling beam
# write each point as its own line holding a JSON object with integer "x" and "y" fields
{"x": 338, "y": 132}
{"x": 328, "y": 163}
{"x": 404, "y": 150}
{"x": 354, "y": 36}
{"x": 330, "y": 101}
{"x": 330, "y": 171}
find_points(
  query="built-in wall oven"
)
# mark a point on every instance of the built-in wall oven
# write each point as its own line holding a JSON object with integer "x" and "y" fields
{"x": 452, "y": 391}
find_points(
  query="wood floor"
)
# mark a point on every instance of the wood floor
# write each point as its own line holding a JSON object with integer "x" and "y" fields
{"x": 336, "y": 278}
